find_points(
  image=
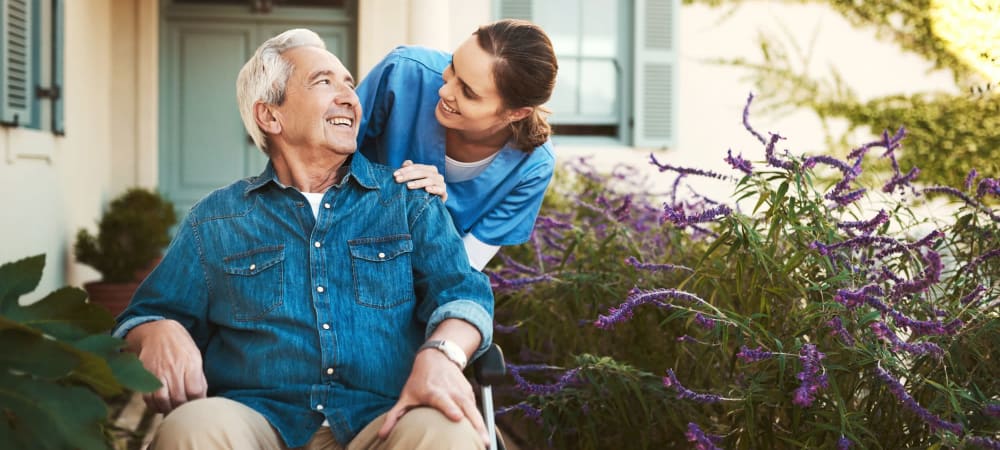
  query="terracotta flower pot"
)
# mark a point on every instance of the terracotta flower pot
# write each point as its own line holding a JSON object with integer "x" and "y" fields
{"x": 112, "y": 296}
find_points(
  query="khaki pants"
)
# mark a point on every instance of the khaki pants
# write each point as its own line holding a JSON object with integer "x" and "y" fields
{"x": 220, "y": 423}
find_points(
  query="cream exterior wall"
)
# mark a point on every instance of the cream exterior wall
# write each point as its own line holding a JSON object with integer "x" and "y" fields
{"x": 54, "y": 185}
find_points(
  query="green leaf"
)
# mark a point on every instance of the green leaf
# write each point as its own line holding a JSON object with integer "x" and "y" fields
{"x": 19, "y": 278}
{"x": 28, "y": 351}
{"x": 126, "y": 368}
{"x": 64, "y": 314}
{"x": 44, "y": 415}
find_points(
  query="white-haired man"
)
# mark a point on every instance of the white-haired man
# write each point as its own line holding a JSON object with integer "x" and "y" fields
{"x": 319, "y": 304}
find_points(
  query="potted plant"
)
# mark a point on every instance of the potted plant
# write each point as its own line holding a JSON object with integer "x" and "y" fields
{"x": 131, "y": 236}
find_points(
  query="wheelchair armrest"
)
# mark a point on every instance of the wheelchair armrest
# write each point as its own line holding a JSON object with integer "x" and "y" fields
{"x": 490, "y": 367}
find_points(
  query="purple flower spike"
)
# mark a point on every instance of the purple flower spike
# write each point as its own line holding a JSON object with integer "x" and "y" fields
{"x": 843, "y": 443}
{"x": 812, "y": 376}
{"x": 866, "y": 226}
{"x": 753, "y": 355}
{"x": 670, "y": 381}
{"x": 739, "y": 163}
{"x": 676, "y": 215}
{"x": 992, "y": 410}
{"x": 897, "y": 389}
{"x": 704, "y": 322}
{"x": 837, "y": 329}
{"x": 971, "y": 177}
{"x": 632, "y": 261}
{"x": 883, "y": 332}
{"x": 984, "y": 442}
{"x": 701, "y": 440}
{"x": 663, "y": 167}
{"x": 638, "y": 298}
{"x": 988, "y": 186}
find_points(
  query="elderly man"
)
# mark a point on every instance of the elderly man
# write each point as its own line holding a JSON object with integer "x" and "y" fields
{"x": 319, "y": 304}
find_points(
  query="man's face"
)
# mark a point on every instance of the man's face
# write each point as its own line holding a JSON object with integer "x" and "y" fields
{"x": 321, "y": 110}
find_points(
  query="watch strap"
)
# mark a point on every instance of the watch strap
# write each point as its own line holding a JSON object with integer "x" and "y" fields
{"x": 450, "y": 349}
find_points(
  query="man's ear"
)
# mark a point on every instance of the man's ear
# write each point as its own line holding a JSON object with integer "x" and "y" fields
{"x": 519, "y": 113}
{"x": 265, "y": 118}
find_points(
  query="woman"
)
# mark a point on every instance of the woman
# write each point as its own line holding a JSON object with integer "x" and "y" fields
{"x": 474, "y": 116}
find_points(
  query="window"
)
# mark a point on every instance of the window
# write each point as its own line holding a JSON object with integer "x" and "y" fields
{"x": 31, "y": 64}
{"x": 617, "y": 66}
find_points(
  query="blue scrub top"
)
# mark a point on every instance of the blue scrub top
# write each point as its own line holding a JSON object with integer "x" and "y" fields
{"x": 398, "y": 98}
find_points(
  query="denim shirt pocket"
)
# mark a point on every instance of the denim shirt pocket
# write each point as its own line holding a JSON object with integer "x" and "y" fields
{"x": 383, "y": 275}
{"x": 254, "y": 282}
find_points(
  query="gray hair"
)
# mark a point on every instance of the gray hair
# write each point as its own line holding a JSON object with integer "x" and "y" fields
{"x": 264, "y": 77}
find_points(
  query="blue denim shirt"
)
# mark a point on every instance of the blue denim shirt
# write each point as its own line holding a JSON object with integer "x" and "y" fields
{"x": 307, "y": 319}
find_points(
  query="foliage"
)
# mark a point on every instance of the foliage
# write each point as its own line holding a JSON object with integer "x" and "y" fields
{"x": 948, "y": 133}
{"x": 131, "y": 234}
{"x": 806, "y": 313}
{"x": 56, "y": 364}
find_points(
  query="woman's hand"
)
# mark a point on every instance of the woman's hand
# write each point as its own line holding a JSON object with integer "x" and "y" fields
{"x": 422, "y": 176}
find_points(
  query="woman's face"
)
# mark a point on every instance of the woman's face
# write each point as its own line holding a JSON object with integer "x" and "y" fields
{"x": 469, "y": 100}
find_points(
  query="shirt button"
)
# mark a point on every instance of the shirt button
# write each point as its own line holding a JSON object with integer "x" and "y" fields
{"x": 326, "y": 205}
{"x": 319, "y": 407}
{"x": 253, "y": 266}
{"x": 381, "y": 255}
{"x": 318, "y": 245}
{"x": 326, "y": 326}
{"x": 319, "y": 289}
{"x": 329, "y": 371}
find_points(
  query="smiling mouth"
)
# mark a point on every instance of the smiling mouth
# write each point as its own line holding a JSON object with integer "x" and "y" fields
{"x": 341, "y": 121}
{"x": 447, "y": 109}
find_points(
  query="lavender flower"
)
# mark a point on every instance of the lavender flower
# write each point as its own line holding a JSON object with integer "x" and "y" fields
{"x": 988, "y": 186}
{"x": 992, "y": 410}
{"x": 739, "y": 163}
{"x": 853, "y": 299}
{"x": 704, "y": 322}
{"x": 974, "y": 295}
{"x": 568, "y": 377}
{"x": 812, "y": 376}
{"x": 701, "y": 440}
{"x": 500, "y": 283}
{"x": 970, "y": 178}
{"x": 632, "y": 261}
{"x": 670, "y": 381}
{"x": 753, "y": 355}
{"x": 529, "y": 411}
{"x": 505, "y": 329}
{"x": 837, "y": 329}
{"x": 676, "y": 215}
{"x": 882, "y": 331}
{"x": 931, "y": 275}
{"x": 866, "y": 226}
{"x": 979, "y": 260}
{"x": 843, "y": 443}
{"x": 769, "y": 154}
{"x": 897, "y": 389}
{"x": 899, "y": 181}
{"x": 663, "y": 167}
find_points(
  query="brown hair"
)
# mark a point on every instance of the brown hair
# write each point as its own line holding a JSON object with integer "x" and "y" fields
{"x": 525, "y": 74}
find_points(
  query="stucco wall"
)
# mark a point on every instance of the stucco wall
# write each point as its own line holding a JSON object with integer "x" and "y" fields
{"x": 45, "y": 199}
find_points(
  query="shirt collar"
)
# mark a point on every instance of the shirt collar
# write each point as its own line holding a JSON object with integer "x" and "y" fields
{"x": 360, "y": 169}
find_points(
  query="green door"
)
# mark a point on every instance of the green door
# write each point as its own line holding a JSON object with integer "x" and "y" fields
{"x": 203, "y": 145}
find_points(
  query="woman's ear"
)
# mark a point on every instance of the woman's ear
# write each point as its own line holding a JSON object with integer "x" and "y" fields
{"x": 516, "y": 114}
{"x": 265, "y": 118}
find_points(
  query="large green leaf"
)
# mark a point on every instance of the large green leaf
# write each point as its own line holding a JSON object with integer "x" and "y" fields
{"x": 64, "y": 314}
{"x": 127, "y": 369}
{"x": 43, "y": 415}
{"x": 28, "y": 351}
{"x": 19, "y": 278}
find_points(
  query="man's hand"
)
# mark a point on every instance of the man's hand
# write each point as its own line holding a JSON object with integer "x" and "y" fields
{"x": 422, "y": 176}
{"x": 167, "y": 350}
{"x": 436, "y": 382}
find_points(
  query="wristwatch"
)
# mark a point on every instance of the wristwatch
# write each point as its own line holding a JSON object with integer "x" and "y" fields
{"x": 450, "y": 349}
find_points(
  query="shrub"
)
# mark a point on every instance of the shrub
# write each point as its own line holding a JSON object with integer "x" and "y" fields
{"x": 131, "y": 234}
{"x": 807, "y": 312}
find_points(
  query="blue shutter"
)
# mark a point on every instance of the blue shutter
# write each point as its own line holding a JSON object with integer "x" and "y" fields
{"x": 515, "y": 9}
{"x": 17, "y": 77}
{"x": 655, "y": 73}
{"x": 58, "y": 43}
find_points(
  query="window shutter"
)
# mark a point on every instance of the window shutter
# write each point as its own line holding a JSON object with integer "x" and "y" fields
{"x": 58, "y": 43}
{"x": 655, "y": 73}
{"x": 16, "y": 68}
{"x": 515, "y": 9}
